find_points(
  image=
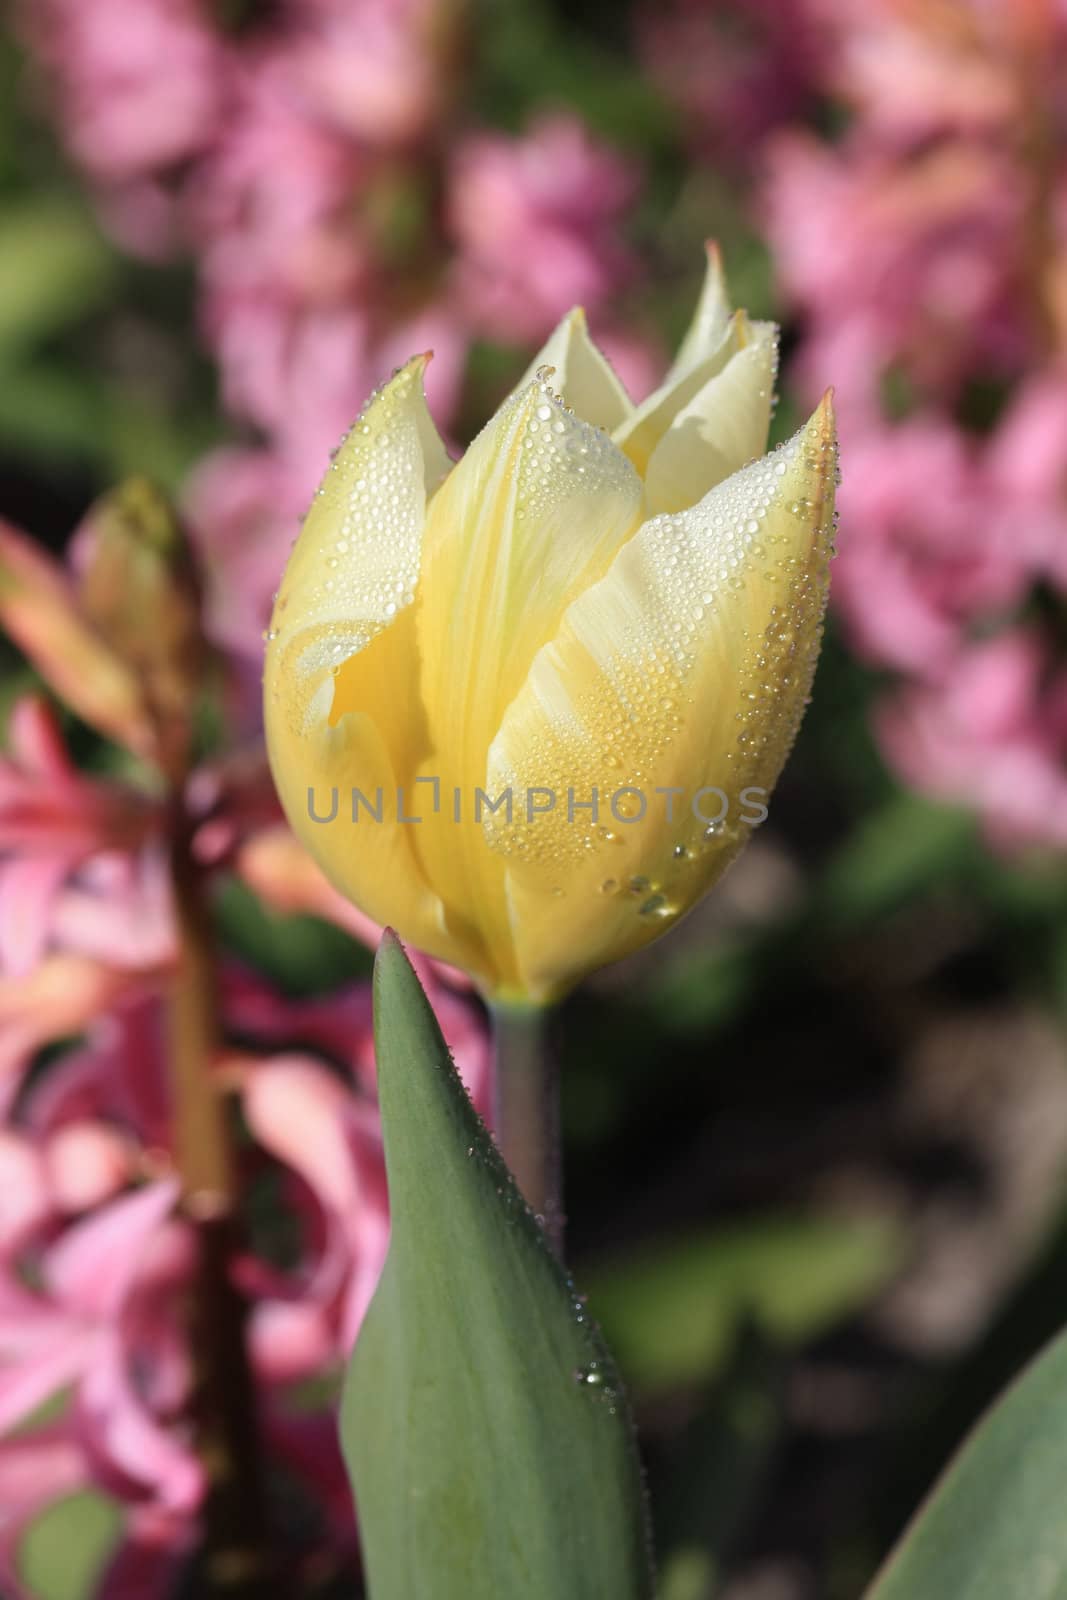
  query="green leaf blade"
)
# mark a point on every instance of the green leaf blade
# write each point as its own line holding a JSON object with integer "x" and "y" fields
{"x": 486, "y": 1433}
{"x": 994, "y": 1527}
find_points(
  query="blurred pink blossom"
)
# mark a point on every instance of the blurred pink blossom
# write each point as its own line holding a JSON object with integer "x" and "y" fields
{"x": 142, "y": 82}
{"x": 142, "y": 87}
{"x": 991, "y": 735}
{"x": 736, "y": 71}
{"x": 112, "y": 1265}
{"x": 271, "y": 204}
{"x": 53, "y": 820}
{"x": 96, "y": 1316}
{"x": 373, "y": 67}
{"x": 925, "y": 557}
{"x": 536, "y": 221}
{"x": 1027, "y": 459}
{"x": 915, "y": 263}
{"x": 925, "y": 249}
{"x": 917, "y": 71}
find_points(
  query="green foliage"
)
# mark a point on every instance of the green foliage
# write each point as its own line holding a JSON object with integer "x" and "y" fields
{"x": 62, "y": 1552}
{"x": 484, "y": 1426}
{"x": 673, "y": 1311}
{"x": 994, "y": 1527}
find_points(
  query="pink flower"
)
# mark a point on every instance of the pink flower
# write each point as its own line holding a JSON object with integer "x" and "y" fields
{"x": 925, "y": 256}
{"x": 1027, "y": 460}
{"x": 279, "y": 870}
{"x": 919, "y": 557}
{"x": 83, "y": 860}
{"x": 56, "y": 1000}
{"x": 916, "y": 72}
{"x": 105, "y": 1319}
{"x": 141, "y": 81}
{"x": 97, "y": 1319}
{"x": 735, "y": 70}
{"x": 991, "y": 735}
{"x": 271, "y": 205}
{"x": 52, "y": 821}
{"x": 536, "y": 222}
{"x": 373, "y": 67}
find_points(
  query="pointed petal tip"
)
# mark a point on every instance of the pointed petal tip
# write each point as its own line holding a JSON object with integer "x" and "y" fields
{"x": 824, "y": 416}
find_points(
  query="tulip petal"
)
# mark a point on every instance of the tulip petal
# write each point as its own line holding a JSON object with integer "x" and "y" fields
{"x": 710, "y": 320}
{"x": 358, "y": 550}
{"x": 534, "y": 513}
{"x": 649, "y": 422}
{"x": 722, "y": 427}
{"x": 687, "y": 666}
{"x": 584, "y": 376}
{"x": 341, "y": 657}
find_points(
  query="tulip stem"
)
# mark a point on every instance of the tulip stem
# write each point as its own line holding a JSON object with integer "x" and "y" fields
{"x": 236, "y": 1561}
{"x": 526, "y": 1121}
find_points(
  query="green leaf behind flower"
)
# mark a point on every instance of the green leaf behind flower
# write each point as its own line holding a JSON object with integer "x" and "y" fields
{"x": 994, "y": 1527}
{"x": 485, "y": 1431}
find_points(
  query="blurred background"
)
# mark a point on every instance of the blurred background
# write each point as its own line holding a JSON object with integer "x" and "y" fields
{"x": 816, "y": 1141}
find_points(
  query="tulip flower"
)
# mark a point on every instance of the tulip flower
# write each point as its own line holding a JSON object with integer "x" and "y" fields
{"x": 528, "y": 706}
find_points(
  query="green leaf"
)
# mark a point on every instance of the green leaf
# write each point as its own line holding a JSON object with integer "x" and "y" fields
{"x": 673, "y": 1310}
{"x": 894, "y": 854}
{"x": 54, "y": 267}
{"x": 484, "y": 1427}
{"x": 63, "y": 1552}
{"x": 994, "y": 1527}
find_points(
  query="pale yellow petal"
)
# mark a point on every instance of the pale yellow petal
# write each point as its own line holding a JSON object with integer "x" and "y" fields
{"x": 583, "y": 375}
{"x": 534, "y": 514}
{"x": 356, "y": 561}
{"x": 723, "y": 426}
{"x": 710, "y": 320}
{"x": 341, "y": 672}
{"x": 649, "y": 422}
{"x": 687, "y": 667}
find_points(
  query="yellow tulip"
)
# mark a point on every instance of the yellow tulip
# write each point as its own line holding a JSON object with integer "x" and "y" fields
{"x": 601, "y": 611}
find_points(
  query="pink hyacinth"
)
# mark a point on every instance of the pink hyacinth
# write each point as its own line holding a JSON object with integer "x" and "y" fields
{"x": 53, "y": 823}
{"x": 926, "y": 250}
{"x": 925, "y": 267}
{"x": 372, "y": 67}
{"x": 142, "y": 82}
{"x": 272, "y": 202}
{"x": 991, "y": 735}
{"x": 1028, "y": 475}
{"x": 736, "y": 71}
{"x": 111, "y": 1265}
{"x": 536, "y": 224}
{"x": 927, "y": 557}
{"x": 142, "y": 87}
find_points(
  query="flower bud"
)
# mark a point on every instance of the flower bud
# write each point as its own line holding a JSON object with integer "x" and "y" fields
{"x": 527, "y": 707}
